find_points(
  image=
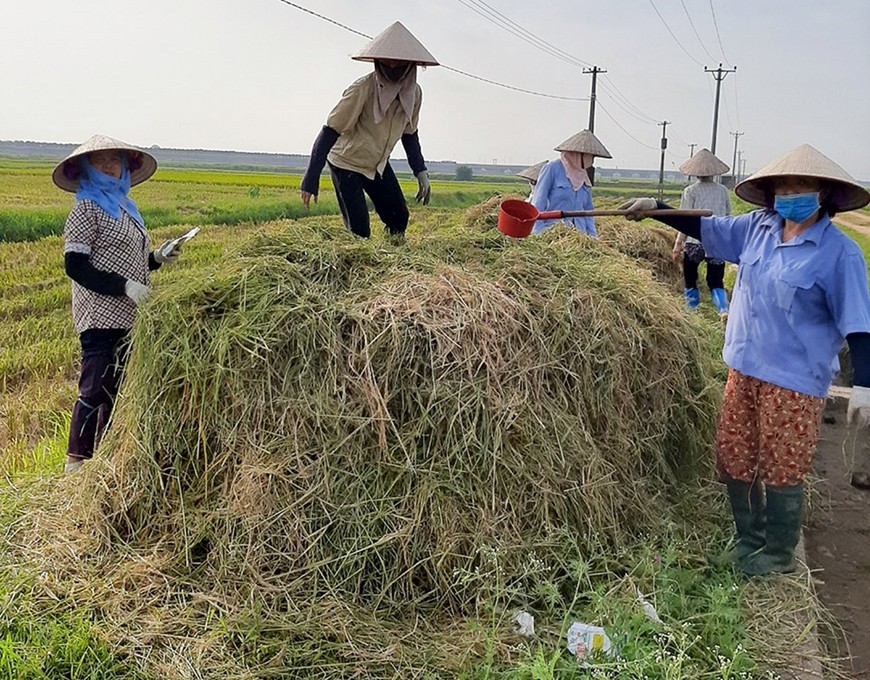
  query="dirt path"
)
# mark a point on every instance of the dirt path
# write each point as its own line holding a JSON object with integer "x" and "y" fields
{"x": 838, "y": 544}
{"x": 855, "y": 220}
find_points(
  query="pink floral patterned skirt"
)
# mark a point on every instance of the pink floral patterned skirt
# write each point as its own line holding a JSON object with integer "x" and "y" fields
{"x": 766, "y": 432}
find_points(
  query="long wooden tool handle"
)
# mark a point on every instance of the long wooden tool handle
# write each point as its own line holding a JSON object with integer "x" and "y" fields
{"x": 559, "y": 214}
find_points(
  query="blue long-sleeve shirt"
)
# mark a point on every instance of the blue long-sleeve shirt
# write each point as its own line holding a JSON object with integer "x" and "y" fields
{"x": 554, "y": 192}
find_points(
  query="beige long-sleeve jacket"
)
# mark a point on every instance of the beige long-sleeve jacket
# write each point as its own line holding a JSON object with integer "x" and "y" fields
{"x": 365, "y": 146}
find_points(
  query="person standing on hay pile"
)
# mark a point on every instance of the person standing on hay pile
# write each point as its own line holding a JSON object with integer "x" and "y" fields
{"x": 530, "y": 174}
{"x": 705, "y": 194}
{"x": 801, "y": 290}
{"x": 361, "y": 131}
{"x": 106, "y": 254}
{"x": 564, "y": 183}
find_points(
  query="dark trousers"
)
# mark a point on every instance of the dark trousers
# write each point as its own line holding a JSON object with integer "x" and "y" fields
{"x": 104, "y": 354}
{"x": 715, "y": 273}
{"x": 386, "y": 194}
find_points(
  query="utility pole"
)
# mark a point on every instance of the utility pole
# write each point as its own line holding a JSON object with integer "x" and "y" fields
{"x": 594, "y": 71}
{"x": 734, "y": 162}
{"x": 692, "y": 150}
{"x": 719, "y": 76}
{"x": 664, "y": 125}
{"x": 590, "y": 171}
{"x": 742, "y": 165}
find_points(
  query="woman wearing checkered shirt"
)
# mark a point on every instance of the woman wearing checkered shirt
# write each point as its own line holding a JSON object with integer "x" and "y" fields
{"x": 107, "y": 256}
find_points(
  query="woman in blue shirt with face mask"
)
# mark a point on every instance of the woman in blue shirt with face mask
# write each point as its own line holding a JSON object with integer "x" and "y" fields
{"x": 801, "y": 290}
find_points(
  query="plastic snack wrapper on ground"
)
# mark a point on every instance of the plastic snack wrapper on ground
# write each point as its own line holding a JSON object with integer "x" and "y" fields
{"x": 525, "y": 624}
{"x": 585, "y": 640}
{"x": 648, "y": 609}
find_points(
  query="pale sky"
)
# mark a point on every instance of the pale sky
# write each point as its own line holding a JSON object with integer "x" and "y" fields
{"x": 260, "y": 75}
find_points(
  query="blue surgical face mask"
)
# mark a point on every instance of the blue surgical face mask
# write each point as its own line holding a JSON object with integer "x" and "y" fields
{"x": 796, "y": 207}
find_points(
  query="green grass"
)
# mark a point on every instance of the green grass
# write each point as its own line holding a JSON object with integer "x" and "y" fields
{"x": 31, "y": 207}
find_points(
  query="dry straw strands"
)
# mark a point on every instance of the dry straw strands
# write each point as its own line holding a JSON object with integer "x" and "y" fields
{"x": 329, "y": 432}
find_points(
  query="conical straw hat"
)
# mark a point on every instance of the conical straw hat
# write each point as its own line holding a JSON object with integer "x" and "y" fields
{"x": 704, "y": 164}
{"x": 806, "y": 161}
{"x": 531, "y": 173}
{"x": 67, "y": 173}
{"x": 585, "y": 142}
{"x": 396, "y": 42}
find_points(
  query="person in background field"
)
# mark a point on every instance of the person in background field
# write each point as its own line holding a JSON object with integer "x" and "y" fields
{"x": 801, "y": 290}
{"x": 564, "y": 183}
{"x": 361, "y": 131}
{"x": 106, "y": 254}
{"x": 530, "y": 174}
{"x": 705, "y": 194}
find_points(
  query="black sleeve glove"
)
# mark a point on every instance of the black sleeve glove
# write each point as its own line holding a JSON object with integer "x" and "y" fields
{"x": 859, "y": 350}
{"x": 690, "y": 226}
{"x": 413, "y": 152}
{"x": 152, "y": 262}
{"x": 324, "y": 142}
{"x": 79, "y": 268}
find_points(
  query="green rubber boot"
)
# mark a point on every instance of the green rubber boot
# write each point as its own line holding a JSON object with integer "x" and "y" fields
{"x": 747, "y": 506}
{"x": 784, "y": 518}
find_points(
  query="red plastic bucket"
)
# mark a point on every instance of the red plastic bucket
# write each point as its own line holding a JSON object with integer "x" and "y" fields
{"x": 516, "y": 218}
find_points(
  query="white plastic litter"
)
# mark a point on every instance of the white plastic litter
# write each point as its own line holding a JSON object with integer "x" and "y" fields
{"x": 583, "y": 640}
{"x": 525, "y": 624}
{"x": 647, "y": 607}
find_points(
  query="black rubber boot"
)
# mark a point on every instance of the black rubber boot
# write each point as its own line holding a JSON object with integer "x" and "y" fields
{"x": 784, "y": 518}
{"x": 747, "y": 506}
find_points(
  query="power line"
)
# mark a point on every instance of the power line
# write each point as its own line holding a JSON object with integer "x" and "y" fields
{"x": 491, "y": 14}
{"x": 695, "y": 30}
{"x": 679, "y": 139}
{"x": 623, "y": 129}
{"x": 640, "y": 118}
{"x": 448, "y": 68}
{"x": 566, "y": 56}
{"x": 320, "y": 16}
{"x": 718, "y": 37}
{"x": 672, "y": 34}
{"x": 511, "y": 87}
{"x": 727, "y": 110}
{"x": 518, "y": 31}
{"x": 736, "y": 100}
{"x": 619, "y": 99}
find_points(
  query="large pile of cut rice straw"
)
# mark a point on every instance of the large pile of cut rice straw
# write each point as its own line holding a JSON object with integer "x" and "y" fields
{"x": 324, "y": 426}
{"x": 649, "y": 244}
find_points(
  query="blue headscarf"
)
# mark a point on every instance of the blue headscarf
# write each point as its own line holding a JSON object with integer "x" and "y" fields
{"x": 106, "y": 191}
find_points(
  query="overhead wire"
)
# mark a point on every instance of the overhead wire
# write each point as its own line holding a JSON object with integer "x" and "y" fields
{"x": 448, "y": 68}
{"x": 695, "y": 30}
{"x": 718, "y": 36}
{"x": 492, "y": 15}
{"x": 511, "y": 87}
{"x": 616, "y": 94}
{"x": 603, "y": 108}
{"x": 501, "y": 20}
{"x": 688, "y": 54}
{"x": 736, "y": 100}
{"x": 325, "y": 18}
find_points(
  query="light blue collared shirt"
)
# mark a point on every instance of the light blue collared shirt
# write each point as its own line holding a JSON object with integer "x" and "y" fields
{"x": 793, "y": 303}
{"x": 554, "y": 192}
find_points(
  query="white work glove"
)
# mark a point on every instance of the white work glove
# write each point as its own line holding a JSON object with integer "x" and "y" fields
{"x": 136, "y": 291}
{"x": 638, "y": 205}
{"x": 859, "y": 408}
{"x": 424, "y": 193}
{"x": 168, "y": 252}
